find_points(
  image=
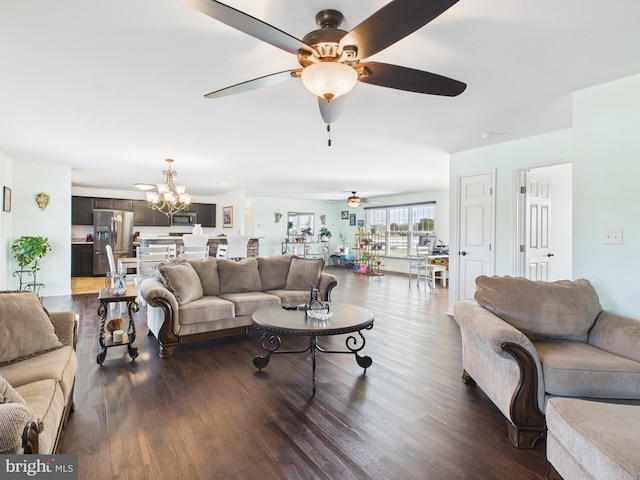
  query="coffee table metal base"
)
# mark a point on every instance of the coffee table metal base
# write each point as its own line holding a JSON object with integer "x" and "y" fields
{"x": 271, "y": 343}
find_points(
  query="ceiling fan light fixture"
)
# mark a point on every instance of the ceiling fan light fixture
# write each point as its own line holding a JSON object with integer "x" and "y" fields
{"x": 354, "y": 201}
{"x": 329, "y": 79}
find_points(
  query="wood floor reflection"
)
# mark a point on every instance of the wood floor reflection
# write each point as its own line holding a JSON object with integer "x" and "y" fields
{"x": 207, "y": 413}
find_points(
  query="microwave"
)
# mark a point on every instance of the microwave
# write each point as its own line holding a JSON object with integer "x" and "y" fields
{"x": 183, "y": 219}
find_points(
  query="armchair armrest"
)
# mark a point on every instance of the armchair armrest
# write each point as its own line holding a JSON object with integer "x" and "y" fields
{"x": 66, "y": 326}
{"x": 505, "y": 364}
{"x": 162, "y": 314}
{"x": 616, "y": 334}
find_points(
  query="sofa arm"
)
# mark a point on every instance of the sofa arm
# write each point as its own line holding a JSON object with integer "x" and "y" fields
{"x": 162, "y": 314}
{"x": 18, "y": 429}
{"x": 66, "y": 326}
{"x": 505, "y": 364}
{"x": 616, "y": 334}
{"x": 326, "y": 284}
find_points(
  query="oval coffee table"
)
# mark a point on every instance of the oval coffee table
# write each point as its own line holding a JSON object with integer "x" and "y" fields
{"x": 276, "y": 321}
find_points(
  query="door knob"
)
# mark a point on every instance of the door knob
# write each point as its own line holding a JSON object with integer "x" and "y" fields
{"x": 549, "y": 254}
{"x": 463, "y": 253}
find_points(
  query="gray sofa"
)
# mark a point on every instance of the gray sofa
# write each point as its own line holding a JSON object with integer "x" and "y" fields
{"x": 192, "y": 300}
{"x": 37, "y": 373}
{"x": 524, "y": 342}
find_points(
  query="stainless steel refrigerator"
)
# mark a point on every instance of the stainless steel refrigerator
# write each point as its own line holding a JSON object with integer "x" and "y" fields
{"x": 115, "y": 228}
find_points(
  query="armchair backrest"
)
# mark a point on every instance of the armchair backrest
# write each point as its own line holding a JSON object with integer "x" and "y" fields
{"x": 562, "y": 310}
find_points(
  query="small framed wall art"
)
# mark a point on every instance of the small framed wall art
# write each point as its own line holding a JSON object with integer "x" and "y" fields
{"x": 6, "y": 199}
{"x": 345, "y": 214}
{"x": 227, "y": 217}
{"x": 352, "y": 219}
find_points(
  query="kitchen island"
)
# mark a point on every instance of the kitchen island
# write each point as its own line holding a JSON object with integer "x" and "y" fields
{"x": 253, "y": 247}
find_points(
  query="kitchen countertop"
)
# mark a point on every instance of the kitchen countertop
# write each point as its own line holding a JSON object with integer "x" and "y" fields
{"x": 80, "y": 241}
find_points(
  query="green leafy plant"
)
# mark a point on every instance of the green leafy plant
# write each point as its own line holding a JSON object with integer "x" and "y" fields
{"x": 325, "y": 232}
{"x": 27, "y": 251}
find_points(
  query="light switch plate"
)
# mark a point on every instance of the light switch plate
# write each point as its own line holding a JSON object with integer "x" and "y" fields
{"x": 611, "y": 236}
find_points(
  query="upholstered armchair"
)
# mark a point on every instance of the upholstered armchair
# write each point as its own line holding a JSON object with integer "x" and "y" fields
{"x": 524, "y": 342}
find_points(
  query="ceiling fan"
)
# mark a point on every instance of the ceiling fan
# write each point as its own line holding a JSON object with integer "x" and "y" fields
{"x": 330, "y": 58}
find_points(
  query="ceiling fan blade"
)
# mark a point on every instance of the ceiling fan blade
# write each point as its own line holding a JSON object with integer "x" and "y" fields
{"x": 336, "y": 104}
{"x": 259, "y": 82}
{"x": 403, "y": 78}
{"x": 249, "y": 25}
{"x": 393, "y": 22}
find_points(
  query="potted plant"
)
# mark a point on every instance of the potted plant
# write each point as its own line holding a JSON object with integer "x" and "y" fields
{"x": 306, "y": 234}
{"x": 27, "y": 252}
{"x": 325, "y": 234}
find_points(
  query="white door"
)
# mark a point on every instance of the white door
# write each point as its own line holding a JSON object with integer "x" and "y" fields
{"x": 538, "y": 205}
{"x": 475, "y": 231}
{"x": 544, "y": 222}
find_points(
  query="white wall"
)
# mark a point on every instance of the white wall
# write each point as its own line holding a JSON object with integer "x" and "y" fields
{"x": 606, "y": 137}
{"x": 29, "y": 179}
{"x": 604, "y": 148}
{"x": 505, "y": 158}
{"x": 6, "y": 180}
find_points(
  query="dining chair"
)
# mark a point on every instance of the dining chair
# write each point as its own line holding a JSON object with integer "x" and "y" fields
{"x": 420, "y": 261}
{"x": 193, "y": 252}
{"x": 221, "y": 251}
{"x": 147, "y": 259}
{"x": 237, "y": 246}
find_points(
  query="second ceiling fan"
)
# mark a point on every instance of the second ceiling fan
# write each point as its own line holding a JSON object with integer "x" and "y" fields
{"x": 331, "y": 58}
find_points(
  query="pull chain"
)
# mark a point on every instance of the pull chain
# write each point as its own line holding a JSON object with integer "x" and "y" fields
{"x": 329, "y": 123}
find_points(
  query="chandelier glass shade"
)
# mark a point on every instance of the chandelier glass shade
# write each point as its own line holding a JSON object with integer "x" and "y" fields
{"x": 329, "y": 79}
{"x": 169, "y": 198}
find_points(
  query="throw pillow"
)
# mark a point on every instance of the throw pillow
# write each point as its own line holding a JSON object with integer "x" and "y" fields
{"x": 562, "y": 310}
{"x": 207, "y": 270}
{"x": 304, "y": 273}
{"x": 15, "y": 414}
{"x": 239, "y": 277}
{"x": 181, "y": 280}
{"x": 274, "y": 271}
{"x": 26, "y": 329}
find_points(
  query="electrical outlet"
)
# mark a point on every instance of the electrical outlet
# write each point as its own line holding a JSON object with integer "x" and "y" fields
{"x": 611, "y": 236}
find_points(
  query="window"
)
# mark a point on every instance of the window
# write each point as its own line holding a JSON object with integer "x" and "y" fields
{"x": 402, "y": 226}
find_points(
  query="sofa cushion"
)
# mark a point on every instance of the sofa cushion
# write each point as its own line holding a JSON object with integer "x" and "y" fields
{"x": 293, "y": 297}
{"x": 578, "y": 369}
{"x": 304, "y": 273}
{"x": 182, "y": 280}
{"x": 207, "y": 270}
{"x": 563, "y": 310}
{"x": 274, "y": 271}
{"x": 248, "y": 302}
{"x": 240, "y": 276}
{"x": 47, "y": 400}
{"x": 60, "y": 365}
{"x": 25, "y": 327}
{"x": 206, "y": 309}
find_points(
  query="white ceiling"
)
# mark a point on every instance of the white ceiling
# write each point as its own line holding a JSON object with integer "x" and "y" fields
{"x": 112, "y": 88}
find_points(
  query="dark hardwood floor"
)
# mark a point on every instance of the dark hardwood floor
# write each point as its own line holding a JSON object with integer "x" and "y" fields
{"x": 207, "y": 413}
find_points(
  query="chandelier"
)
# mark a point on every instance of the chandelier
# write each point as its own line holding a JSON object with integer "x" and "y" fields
{"x": 169, "y": 198}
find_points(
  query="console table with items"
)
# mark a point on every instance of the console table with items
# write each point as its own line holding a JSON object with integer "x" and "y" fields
{"x": 106, "y": 338}
{"x": 307, "y": 249}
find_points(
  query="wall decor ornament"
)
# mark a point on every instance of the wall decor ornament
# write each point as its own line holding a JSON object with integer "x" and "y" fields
{"x": 42, "y": 199}
{"x": 278, "y": 217}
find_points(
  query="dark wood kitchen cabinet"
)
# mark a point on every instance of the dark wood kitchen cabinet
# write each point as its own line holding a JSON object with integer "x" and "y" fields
{"x": 81, "y": 210}
{"x": 82, "y": 260}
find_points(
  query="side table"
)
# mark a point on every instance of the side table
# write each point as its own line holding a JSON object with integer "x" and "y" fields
{"x": 105, "y": 297}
